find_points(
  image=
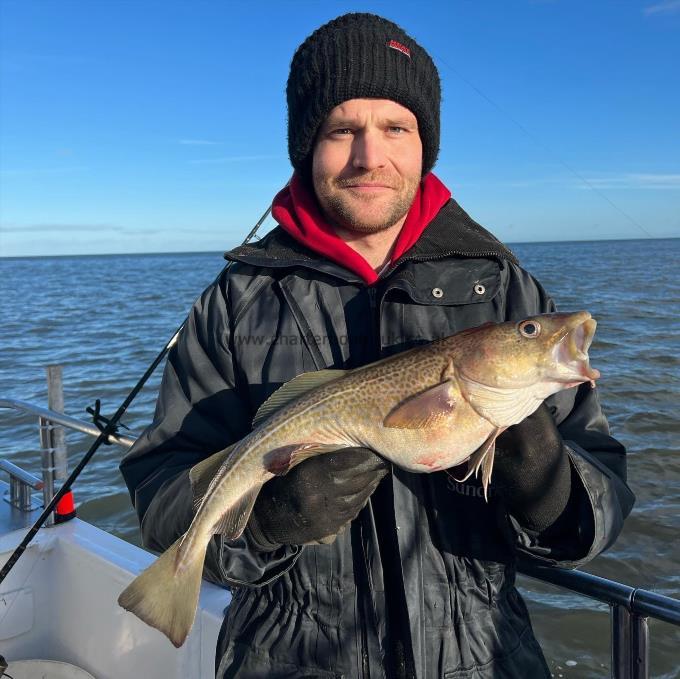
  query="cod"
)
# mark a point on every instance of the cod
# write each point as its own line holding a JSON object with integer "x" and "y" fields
{"x": 426, "y": 409}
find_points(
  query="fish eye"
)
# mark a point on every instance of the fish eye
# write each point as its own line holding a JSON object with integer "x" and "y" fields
{"x": 529, "y": 329}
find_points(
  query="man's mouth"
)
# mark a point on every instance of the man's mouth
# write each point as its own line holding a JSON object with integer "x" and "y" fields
{"x": 366, "y": 183}
{"x": 363, "y": 186}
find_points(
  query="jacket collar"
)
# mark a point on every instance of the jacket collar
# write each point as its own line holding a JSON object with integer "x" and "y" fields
{"x": 452, "y": 233}
{"x": 297, "y": 211}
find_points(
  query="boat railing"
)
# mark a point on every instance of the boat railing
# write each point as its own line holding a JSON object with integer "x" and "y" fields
{"x": 51, "y": 418}
{"x": 630, "y": 607}
{"x": 629, "y": 611}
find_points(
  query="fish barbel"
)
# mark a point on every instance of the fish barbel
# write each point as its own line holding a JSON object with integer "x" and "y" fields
{"x": 426, "y": 409}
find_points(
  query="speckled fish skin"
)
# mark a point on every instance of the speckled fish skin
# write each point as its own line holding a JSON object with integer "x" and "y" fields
{"x": 351, "y": 411}
{"x": 427, "y": 409}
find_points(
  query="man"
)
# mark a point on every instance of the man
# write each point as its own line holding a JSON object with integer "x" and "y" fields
{"x": 349, "y": 566}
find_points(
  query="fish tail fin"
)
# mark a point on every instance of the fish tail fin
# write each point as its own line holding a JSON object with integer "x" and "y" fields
{"x": 165, "y": 595}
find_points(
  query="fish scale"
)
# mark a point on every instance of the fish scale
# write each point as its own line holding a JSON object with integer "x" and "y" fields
{"x": 427, "y": 409}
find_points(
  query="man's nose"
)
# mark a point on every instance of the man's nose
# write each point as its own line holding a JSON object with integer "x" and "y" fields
{"x": 368, "y": 152}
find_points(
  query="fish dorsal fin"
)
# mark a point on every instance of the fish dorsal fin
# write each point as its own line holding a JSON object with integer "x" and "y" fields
{"x": 293, "y": 389}
{"x": 501, "y": 407}
{"x": 425, "y": 409}
{"x": 233, "y": 522}
{"x": 202, "y": 474}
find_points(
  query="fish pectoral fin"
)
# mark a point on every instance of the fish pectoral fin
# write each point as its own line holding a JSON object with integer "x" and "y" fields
{"x": 424, "y": 409}
{"x": 281, "y": 460}
{"x": 203, "y": 473}
{"x": 233, "y": 522}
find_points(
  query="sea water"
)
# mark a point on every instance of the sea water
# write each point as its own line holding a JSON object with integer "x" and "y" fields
{"x": 105, "y": 318}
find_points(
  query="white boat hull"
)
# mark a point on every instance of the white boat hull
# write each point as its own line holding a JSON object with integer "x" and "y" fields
{"x": 60, "y": 602}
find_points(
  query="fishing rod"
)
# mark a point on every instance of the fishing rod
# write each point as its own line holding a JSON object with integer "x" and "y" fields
{"x": 108, "y": 428}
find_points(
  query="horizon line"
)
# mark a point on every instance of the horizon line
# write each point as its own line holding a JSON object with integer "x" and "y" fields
{"x": 212, "y": 252}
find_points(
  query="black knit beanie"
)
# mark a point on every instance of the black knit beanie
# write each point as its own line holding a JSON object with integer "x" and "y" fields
{"x": 359, "y": 56}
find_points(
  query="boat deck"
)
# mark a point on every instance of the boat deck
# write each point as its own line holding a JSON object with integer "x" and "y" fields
{"x": 60, "y": 603}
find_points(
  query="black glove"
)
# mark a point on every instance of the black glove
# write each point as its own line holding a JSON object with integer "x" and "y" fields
{"x": 316, "y": 499}
{"x": 532, "y": 470}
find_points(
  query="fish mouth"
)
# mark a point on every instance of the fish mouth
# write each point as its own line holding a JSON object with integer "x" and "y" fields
{"x": 571, "y": 350}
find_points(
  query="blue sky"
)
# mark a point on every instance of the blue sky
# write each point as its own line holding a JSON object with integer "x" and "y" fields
{"x": 160, "y": 126}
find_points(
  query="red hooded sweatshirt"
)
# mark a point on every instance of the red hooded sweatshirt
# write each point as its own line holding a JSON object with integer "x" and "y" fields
{"x": 296, "y": 210}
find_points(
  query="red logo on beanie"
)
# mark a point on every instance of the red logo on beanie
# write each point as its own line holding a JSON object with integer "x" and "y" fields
{"x": 398, "y": 46}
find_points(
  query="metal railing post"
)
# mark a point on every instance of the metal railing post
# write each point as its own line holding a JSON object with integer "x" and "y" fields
{"x": 52, "y": 438}
{"x": 55, "y": 401}
{"x": 21, "y": 483}
{"x": 47, "y": 457}
{"x": 639, "y": 647}
{"x": 620, "y": 642}
{"x": 630, "y": 644}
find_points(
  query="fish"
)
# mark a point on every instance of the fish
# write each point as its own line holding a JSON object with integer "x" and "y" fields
{"x": 427, "y": 409}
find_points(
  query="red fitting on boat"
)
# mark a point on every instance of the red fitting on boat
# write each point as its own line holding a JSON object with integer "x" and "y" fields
{"x": 65, "y": 509}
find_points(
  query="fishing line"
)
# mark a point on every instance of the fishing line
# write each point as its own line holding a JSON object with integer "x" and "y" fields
{"x": 544, "y": 146}
{"x": 107, "y": 429}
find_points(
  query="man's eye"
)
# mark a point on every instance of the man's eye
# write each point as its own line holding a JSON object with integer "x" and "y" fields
{"x": 341, "y": 131}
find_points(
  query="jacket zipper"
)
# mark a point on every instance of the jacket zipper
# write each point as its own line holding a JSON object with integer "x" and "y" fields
{"x": 441, "y": 255}
{"x": 375, "y": 322}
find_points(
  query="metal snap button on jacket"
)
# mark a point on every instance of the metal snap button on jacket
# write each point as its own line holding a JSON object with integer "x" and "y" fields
{"x": 480, "y": 289}
{"x": 437, "y": 292}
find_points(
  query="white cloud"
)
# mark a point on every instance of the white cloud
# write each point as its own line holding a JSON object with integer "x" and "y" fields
{"x": 635, "y": 181}
{"x": 43, "y": 228}
{"x": 663, "y": 7}
{"x": 97, "y": 229}
{"x": 585, "y": 180}
{"x": 531, "y": 183}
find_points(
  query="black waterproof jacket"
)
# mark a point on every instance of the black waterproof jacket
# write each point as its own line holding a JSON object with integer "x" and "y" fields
{"x": 427, "y": 553}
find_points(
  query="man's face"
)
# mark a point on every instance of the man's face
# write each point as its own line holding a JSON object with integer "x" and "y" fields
{"x": 367, "y": 163}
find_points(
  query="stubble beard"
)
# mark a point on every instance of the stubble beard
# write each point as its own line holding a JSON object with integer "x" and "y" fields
{"x": 341, "y": 209}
